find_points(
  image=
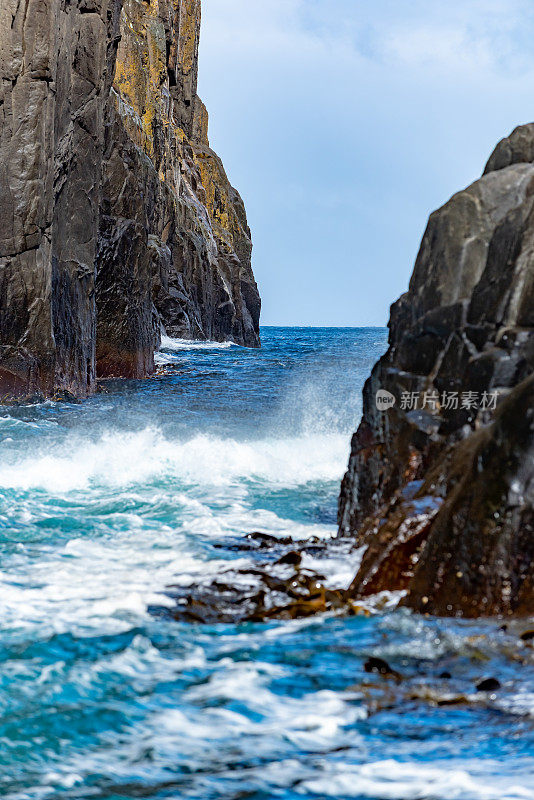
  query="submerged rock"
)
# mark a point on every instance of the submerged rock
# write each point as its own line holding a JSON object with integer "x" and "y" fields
{"x": 277, "y": 578}
{"x": 117, "y": 219}
{"x": 488, "y": 685}
{"x": 440, "y": 487}
{"x": 256, "y": 594}
{"x": 381, "y": 667}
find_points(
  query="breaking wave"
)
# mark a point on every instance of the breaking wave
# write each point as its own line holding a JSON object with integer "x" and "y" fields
{"x": 120, "y": 459}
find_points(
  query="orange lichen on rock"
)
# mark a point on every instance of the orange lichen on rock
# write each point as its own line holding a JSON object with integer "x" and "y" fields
{"x": 190, "y": 223}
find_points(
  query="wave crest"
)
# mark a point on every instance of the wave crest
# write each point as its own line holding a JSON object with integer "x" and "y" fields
{"x": 129, "y": 458}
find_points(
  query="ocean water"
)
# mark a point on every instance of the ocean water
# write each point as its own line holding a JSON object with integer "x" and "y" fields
{"x": 106, "y": 503}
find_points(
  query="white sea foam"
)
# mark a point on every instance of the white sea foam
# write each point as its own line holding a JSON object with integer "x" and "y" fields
{"x": 314, "y": 721}
{"x": 238, "y": 707}
{"x": 120, "y": 459}
{"x": 204, "y": 726}
{"x": 122, "y": 484}
{"x": 171, "y": 348}
{"x": 107, "y": 580}
{"x": 104, "y": 585}
{"x": 521, "y": 703}
{"x": 392, "y": 780}
{"x": 175, "y": 345}
{"x": 339, "y": 568}
{"x": 107, "y": 583}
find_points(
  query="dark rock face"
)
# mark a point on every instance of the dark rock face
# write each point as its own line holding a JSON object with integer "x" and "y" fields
{"x": 441, "y": 486}
{"x": 518, "y": 148}
{"x": 117, "y": 220}
{"x": 174, "y": 246}
{"x": 55, "y": 78}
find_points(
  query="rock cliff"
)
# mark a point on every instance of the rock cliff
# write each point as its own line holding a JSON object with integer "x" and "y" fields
{"x": 440, "y": 486}
{"x": 117, "y": 220}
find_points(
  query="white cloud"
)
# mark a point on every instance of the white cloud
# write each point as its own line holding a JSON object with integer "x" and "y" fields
{"x": 484, "y": 37}
{"x": 429, "y": 47}
{"x": 484, "y": 33}
{"x": 361, "y": 116}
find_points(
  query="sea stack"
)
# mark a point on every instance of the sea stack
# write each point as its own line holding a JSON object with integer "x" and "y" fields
{"x": 117, "y": 220}
{"x": 440, "y": 486}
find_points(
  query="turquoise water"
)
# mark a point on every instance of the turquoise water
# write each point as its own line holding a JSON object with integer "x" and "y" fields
{"x": 106, "y": 503}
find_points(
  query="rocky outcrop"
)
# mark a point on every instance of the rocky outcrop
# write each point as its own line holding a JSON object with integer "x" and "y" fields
{"x": 55, "y": 70}
{"x": 440, "y": 486}
{"x": 117, "y": 219}
{"x": 168, "y": 207}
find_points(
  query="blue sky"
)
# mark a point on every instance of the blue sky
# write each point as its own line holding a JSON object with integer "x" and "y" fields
{"x": 344, "y": 123}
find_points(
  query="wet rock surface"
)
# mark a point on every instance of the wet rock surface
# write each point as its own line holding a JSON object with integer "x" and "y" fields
{"x": 56, "y": 64}
{"x": 440, "y": 487}
{"x": 117, "y": 219}
{"x": 408, "y": 682}
{"x": 271, "y": 581}
{"x": 274, "y": 578}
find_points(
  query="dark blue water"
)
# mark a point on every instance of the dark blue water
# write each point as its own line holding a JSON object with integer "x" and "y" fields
{"x": 106, "y": 503}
